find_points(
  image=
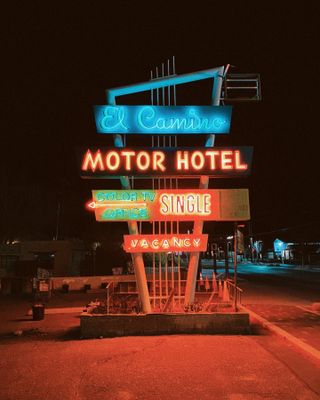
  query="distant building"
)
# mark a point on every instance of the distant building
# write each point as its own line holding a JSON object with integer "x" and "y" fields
{"x": 58, "y": 257}
{"x": 305, "y": 253}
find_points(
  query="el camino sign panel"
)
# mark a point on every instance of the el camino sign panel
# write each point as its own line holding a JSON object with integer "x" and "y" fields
{"x": 166, "y": 120}
{"x": 164, "y": 243}
{"x": 171, "y": 205}
{"x": 217, "y": 162}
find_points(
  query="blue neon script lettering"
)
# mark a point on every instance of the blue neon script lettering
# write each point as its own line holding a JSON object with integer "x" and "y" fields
{"x": 148, "y": 119}
{"x": 113, "y": 118}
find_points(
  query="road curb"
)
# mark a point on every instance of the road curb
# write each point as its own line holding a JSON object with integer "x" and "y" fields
{"x": 282, "y": 333}
{"x": 60, "y": 310}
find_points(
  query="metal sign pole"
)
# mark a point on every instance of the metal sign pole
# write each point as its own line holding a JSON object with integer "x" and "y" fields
{"x": 235, "y": 262}
{"x": 204, "y": 184}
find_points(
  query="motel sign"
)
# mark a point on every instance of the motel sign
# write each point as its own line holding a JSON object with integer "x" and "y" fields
{"x": 168, "y": 205}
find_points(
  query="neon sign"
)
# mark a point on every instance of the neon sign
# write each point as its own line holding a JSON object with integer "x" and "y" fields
{"x": 171, "y": 205}
{"x": 164, "y": 243}
{"x": 140, "y": 162}
{"x": 162, "y": 119}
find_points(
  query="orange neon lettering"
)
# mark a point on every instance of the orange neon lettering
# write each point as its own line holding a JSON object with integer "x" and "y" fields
{"x": 238, "y": 161}
{"x": 128, "y": 155}
{"x": 182, "y": 160}
{"x": 112, "y": 165}
{"x": 140, "y": 164}
{"x": 226, "y": 159}
{"x": 197, "y": 165}
{"x": 158, "y": 158}
{"x": 91, "y": 162}
{"x": 212, "y": 155}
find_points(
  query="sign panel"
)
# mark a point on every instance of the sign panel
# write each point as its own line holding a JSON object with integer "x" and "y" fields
{"x": 164, "y": 243}
{"x": 217, "y": 162}
{"x": 171, "y": 205}
{"x": 166, "y": 120}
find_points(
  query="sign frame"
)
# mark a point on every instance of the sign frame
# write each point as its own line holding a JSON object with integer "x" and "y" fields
{"x": 182, "y": 162}
{"x": 164, "y": 243}
{"x": 162, "y": 120}
{"x": 171, "y": 205}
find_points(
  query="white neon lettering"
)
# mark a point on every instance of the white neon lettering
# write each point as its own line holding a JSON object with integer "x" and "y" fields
{"x": 182, "y": 160}
{"x": 164, "y": 208}
{"x": 196, "y": 242}
{"x": 165, "y": 244}
{"x": 185, "y": 204}
{"x": 144, "y": 243}
{"x": 155, "y": 244}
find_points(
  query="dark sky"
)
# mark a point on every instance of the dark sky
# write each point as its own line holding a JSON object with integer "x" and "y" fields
{"x": 59, "y": 57}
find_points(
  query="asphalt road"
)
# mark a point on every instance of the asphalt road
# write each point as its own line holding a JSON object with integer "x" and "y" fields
{"x": 50, "y": 361}
{"x": 166, "y": 367}
{"x": 268, "y": 283}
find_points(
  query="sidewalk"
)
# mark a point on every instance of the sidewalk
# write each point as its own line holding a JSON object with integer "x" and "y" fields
{"x": 15, "y": 314}
{"x": 296, "y": 320}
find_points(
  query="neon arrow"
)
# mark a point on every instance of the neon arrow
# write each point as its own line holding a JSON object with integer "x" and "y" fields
{"x": 94, "y": 204}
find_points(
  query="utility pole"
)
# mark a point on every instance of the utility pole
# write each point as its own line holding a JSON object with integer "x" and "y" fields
{"x": 251, "y": 240}
{"x": 226, "y": 258}
{"x": 235, "y": 248}
{"x": 58, "y": 221}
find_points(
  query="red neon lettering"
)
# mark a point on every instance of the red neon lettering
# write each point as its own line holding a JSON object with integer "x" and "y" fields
{"x": 197, "y": 165}
{"x": 143, "y": 165}
{"x": 128, "y": 155}
{"x": 226, "y": 159}
{"x": 238, "y": 161}
{"x": 182, "y": 160}
{"x": 112, "y": 165}
{"x": 212, "y": 155}
{"x": 91, "y": 162}
{"x": 158, "y": 158}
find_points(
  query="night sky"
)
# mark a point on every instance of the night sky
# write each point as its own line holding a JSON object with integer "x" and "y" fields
{"x": 59, "y": 57}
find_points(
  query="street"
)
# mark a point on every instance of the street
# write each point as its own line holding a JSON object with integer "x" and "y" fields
{"x": 48, "y": 359}
{"x": 165, "y": 367}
